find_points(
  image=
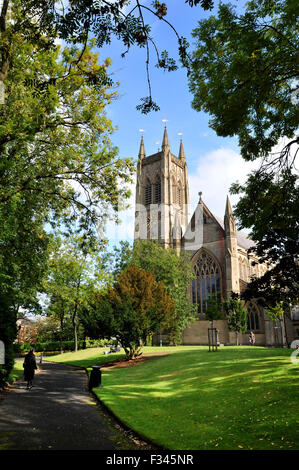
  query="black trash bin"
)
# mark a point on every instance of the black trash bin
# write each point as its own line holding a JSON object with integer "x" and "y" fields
{"x": 95, "y": 377}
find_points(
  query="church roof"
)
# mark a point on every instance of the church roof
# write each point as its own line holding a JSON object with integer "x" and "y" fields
{"x": 242, "y": 238}
{"x": 244, "y": 241}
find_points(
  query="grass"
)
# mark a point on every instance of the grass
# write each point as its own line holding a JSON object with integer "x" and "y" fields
{"x": 17, "y": 372}
{"x": 236, "y": 398}
{"x": 86, "y": 358}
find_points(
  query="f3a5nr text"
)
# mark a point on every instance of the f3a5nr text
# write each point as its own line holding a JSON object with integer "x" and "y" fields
{"x": 153, "y": 459}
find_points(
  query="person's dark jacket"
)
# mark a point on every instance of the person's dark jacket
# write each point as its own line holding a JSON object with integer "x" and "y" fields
{"x": 29, "y": 366}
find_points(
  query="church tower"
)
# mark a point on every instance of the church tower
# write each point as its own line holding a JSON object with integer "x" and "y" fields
{"x": 162, "y": 195}
{"x": 231, "y": 251}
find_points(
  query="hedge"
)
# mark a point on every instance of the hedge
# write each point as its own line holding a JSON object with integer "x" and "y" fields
{"x": 56, "y": 345}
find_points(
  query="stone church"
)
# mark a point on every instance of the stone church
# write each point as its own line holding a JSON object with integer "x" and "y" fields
{"x": 219, "y": 252}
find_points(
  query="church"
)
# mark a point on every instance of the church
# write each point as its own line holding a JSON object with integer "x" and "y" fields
{"x": 219, "y": 252}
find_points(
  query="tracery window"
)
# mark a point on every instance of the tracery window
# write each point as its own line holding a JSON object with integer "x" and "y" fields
{"x": 174, "y": 192}
{"x": 243, "y": 270}
{"x": 148, "y": 194}
{"x": 253, "y": 317}
{"x": 158, "y": 191}
{"x": 179, "y": 196}
{"x": 207, "y": 281}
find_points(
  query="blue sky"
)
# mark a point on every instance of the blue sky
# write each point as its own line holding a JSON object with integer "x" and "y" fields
{"x": 213, "y": 162}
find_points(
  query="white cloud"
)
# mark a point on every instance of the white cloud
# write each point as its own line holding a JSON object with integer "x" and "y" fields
{"x": 216, "y": 171}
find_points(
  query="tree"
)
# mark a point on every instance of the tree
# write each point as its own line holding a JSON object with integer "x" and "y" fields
{"x": 236, "y": 315}
{"x": 244, "y": 73}
{"x": 131, "y": 310}
{"x": 118, "y": 260}
{"x": 125, "y": 20}
{"x": 214, "y": 307}
{"x": 47, "y": 328}
{"x": 72, "y": 275}
{"x": 8, "y": 332}
{"x": 174, "y": 271}
{"x": 58, "y": 166}
{"x": 57, "y": 147}
{"x": 23, "y": 257}
{"x": 275, "y": 227}
{"x": 279, "y": 312}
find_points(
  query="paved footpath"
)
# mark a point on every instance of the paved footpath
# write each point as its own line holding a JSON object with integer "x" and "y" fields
{"x": 57, "y": 413}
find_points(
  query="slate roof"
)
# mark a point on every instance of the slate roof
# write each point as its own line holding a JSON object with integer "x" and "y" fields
{"x": 243, "y": 240}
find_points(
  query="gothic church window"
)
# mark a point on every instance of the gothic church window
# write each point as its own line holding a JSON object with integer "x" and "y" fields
{"x": 174, "y": 193}
{"x": 244, "y": 272}
{"x": 207, "y": 281}
{"x": 158, "y": 191}
{"x": 253, "y": 317}
{"x": 179, "y": 196}
{"x": 148, "y": 194}
{"x": 243, "y": 269}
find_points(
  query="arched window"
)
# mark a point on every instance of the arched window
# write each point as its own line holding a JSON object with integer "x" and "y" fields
{"x": 174, "y": 192}
{"x": 243, "y": 269}
{"x": 253, "y": 318}
{"x": 207, "y": 281}
{"x": 157, "y": 191}
{"x": 179, "y": 195}
{"x": 148, "y": 193}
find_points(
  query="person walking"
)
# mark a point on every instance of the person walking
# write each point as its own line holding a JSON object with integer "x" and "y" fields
{"x": 29, "y": 368}
{"x": 252, "y": 338}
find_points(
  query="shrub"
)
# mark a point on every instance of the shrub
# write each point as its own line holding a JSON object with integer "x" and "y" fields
{"x": 55, "y": 345}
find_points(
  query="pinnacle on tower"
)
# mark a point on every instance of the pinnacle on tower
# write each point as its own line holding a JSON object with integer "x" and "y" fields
{"x": 141, "y": 154}
{"x": 228, "y": 208}
{"x": 229, "y": 220}
{"x": 182, "y": 152}
{"x": 165, "y": 142}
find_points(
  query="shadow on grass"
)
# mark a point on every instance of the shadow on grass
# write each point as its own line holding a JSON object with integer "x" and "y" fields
{"x": 197, "y": 399}
{"x": 87, "y": 359}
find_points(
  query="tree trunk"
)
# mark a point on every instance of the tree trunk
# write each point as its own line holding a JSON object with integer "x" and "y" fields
{"x": 132, "y": 351}
{"x": 3, "y": 15}
{"x": 4, "y": 66}
{"x": 60, "y": 336}
{"x": 285, "y": 331}
{"x": 75, "y": 336}
{"x": 75, "y": 314}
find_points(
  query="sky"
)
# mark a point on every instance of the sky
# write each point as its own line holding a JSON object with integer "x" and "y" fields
{"x": 214, "y": 163}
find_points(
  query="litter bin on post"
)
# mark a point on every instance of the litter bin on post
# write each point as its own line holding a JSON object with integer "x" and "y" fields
{"x": 95, "y": 377}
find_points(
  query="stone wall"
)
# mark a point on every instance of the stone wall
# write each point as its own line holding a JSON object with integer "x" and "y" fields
{"x": 243, "y": 339}
{"x": 197, "y": 333}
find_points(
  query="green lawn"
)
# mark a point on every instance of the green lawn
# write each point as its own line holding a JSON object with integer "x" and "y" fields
{"x": 17, "y": 372}
{"x": 236, "y": 398}
{"x": 86, "y": 358}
